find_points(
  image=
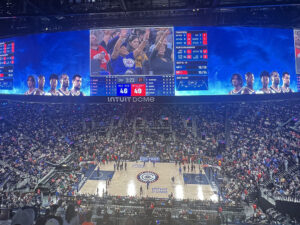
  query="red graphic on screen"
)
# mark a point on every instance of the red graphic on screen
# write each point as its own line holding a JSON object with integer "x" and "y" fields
{"x": 181, "y": 72}
{"x": 138, "y": 89}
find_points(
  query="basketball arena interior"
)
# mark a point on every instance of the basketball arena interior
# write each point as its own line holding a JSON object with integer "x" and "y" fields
{"x": 145, "y": 112}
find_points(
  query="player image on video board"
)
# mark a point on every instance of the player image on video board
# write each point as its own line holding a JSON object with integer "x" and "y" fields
{"x": 31, "y": 86}
{"x": 265, "y": 78}
{"x": 134, "y": 51}
{"x": 237, "y": 83}
{"x": 297, "y": 50}
{"x": 53, "y": 81}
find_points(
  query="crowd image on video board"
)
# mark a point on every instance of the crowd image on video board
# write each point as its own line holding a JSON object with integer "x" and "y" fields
{"x": 37, "y": 86}
{"x": 134, "y": 51}
{"x": 265, "y": 77}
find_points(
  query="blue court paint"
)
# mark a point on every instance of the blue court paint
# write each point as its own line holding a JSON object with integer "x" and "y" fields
{"x": 190, "y": 178}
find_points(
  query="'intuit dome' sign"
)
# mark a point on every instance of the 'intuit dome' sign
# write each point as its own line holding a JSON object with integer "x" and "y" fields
{"x": 130, "y": 99}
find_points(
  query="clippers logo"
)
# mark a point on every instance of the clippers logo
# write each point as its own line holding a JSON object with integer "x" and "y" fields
{"x": 147, "y": 177}
{"x": 128, "y": 62}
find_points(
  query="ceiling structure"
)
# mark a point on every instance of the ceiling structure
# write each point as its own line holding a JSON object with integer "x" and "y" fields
{"x": 19, "y": 17}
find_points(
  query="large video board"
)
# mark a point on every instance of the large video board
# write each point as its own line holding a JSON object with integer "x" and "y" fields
{"x": 152, "y": 61}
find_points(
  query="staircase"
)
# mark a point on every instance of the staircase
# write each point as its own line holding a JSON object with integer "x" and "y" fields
{"x": 184, "y": 123}
{"x": 194, "y": 126}
{"x": 134, "y": 130}
{"x": 83, "y": 125}
{"x": 49, "y": 118}
{"x": 111, "y": 126}
{"x": 227, "y": 127}
{"x": 174, "y": 136}
{"x": 121, "y": 121}
{"x": 285, "y": 123}
{"x": 93, "y": 124}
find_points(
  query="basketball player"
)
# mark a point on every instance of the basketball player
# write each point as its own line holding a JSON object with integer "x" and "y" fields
{"x": 41, "y": 84}
{"x": 248, "y": 90}
{"x": 30, "y": 85}
{"x": 297, "y": 50}
{"x": 286, "y": 83}
{"x": 64, "y": 84}
{"x": 265, "y": 79}
{"x": 237, "y": 83}
{"x": 53, "y": 85}
{"x": 275, "y": 82}
{"x": 141, "y": 190}
{"x": 76, "y": 81}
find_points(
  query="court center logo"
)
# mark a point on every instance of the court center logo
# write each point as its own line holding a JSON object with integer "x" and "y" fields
{"x": 147, "y": 177}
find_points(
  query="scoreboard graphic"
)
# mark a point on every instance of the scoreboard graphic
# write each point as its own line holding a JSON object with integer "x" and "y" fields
{"x": 7, "y": 61}
{"x": 133, "y": 85}
{"x": 191, "y": 60}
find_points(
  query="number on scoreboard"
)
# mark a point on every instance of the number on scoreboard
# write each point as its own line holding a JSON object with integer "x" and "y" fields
{"x": 138, "y": 89}
{"x": 123, "y": 89}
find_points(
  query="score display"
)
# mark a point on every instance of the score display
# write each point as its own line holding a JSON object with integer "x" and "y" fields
{"x": 190, "y": 71}
{"x": 132, "y": 86}
{"x": 7, "y": 62}
{"x": 131, "y": 90}
{"x": 191, "y": 60}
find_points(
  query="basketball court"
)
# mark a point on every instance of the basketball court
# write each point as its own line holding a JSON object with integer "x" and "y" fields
{"x": 187, "y": 185}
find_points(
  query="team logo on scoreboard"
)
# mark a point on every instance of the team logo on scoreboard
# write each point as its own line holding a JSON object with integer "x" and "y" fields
{"x": 147, "y": 177}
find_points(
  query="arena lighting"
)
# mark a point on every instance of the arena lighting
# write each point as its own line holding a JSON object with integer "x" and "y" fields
{"x": 179, "y": 193}
{"x": 214, "y": 198}
{"x": 101, "y": 188}
{"x": 131, "y": 189}
{"x": 81, "y": 1}
{"x": 200, "y": 193}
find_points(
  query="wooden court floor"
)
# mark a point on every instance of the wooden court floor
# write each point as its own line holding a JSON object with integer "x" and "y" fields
{"x": 126, "y": 183}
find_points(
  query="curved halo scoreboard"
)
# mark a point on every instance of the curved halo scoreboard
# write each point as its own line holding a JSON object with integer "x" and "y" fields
{"x": 152, "y": 61}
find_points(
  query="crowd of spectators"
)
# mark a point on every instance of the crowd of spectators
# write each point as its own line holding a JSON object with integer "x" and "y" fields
{"x": 131, "y": 51}
{"x": 260, "y": 146}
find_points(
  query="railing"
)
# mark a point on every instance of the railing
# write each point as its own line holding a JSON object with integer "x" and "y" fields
{"x": 280, "y": 174}
{"x": 288, "y": 199}
{"x": 6, "y": 179}
{"x": 276, "y": 197}
{"x": 12, "y": 168}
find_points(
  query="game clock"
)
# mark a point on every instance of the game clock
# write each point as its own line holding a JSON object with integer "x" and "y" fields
{"x": 131, "y": 89}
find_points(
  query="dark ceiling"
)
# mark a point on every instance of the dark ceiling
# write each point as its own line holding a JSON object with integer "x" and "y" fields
{"x": 31, "y": 16}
